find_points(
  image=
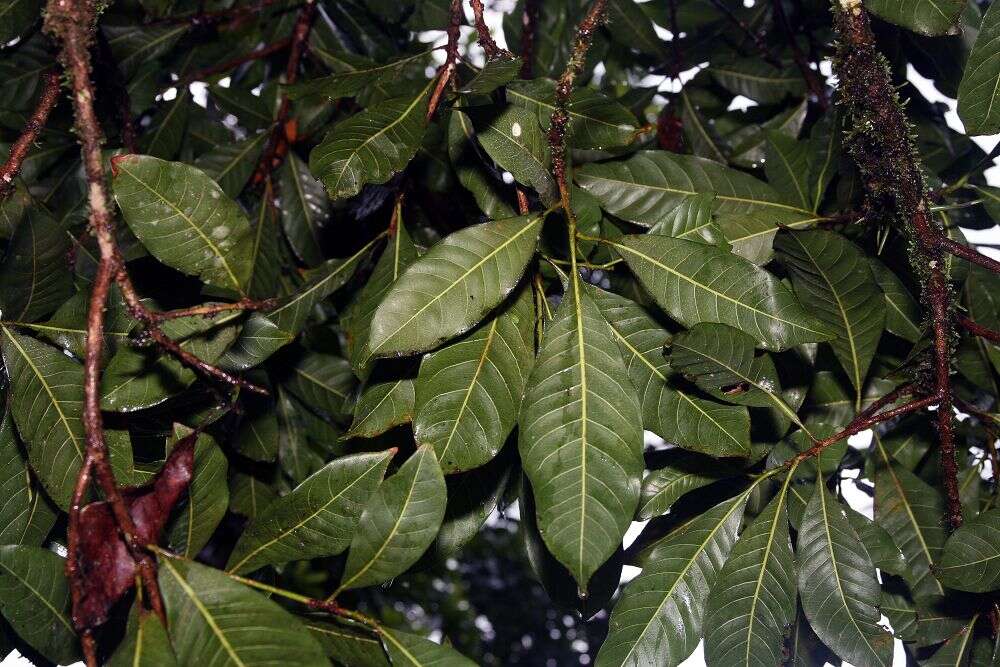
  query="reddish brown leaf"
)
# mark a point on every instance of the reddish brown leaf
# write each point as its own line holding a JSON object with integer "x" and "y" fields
{"x": 107, "y": 570}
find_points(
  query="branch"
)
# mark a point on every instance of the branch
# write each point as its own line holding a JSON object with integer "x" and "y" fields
{"x": 813, "y": 83}
{"x": 214, "y": 309}
{"x": 965, "y": 252}
{"x": 233, "y": 63}
{"x": 978, "y": 329}
{"x": 70, "y": 23}
{"x": 485, "y": 38}
{"x": 529, "y": 26}
{"x": 19, "y": 149}
{"x": 885, "y": 155}
{"x": 284, "y": 132}
{"x": 447, "y": 70}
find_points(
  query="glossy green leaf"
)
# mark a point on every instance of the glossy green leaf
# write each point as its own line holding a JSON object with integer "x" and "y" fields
{"x": 680, "y": 473}
{"x": 658, "y": 620}
{"x": 902, "y": 316}
{"x": 34, "y": 599}
{"x": 580, "y": 437}
{"x": 971, "y": 557}
{"x": 146, "y": 643}
{"x": 383, "y": 403}
{"x": 833, "y": 276}
{"x": 348, "y": 645}
{"x": 926, "y": 17}
{"x": 207, "y": 497}
{"x": 398, "y": 524}
{"x": 671, "y": 412}
{"x": 955, "y": 651}
{"x": 694, "y": 282}
{"x": 652, "y": 185}
{"x": 754, "y": 598}
{"x": 495, "y": 73}
{"x": 216, "y": 621}
{"x": 16, "y": 16}
{"x": 449, "y": 290}
{"x": 758, "y": 80}
{"x": 371, "y": 146}
{"x": 323, "y": 382}
{"x": 699, "y": 132}
{"x": 184, "y": 219}
{"x": 513, "y": 139}
{"x": 837, "y": 584}
{"x": 912, "y": 512}
{"x": 25, "y": 515}
{"x": 46, "y": 403}
{"x": 405, "y": 648}
{"x": 305, "y": 209}
{"x": 468, "y": 393}
{"x": 34, "y": 276}
{"x": 351, "y": 81}
{"x": 595, "y": 121}
{"x": 466, "y": 157}
{"x": 231, "y": 164}
{"x": 318, "y": 518}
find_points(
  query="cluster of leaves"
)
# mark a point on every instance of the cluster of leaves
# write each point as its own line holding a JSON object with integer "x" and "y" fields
{"x": 438, "y": 350}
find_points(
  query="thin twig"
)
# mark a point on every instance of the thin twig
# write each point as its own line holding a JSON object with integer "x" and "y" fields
{"x": 486, "y": 40}
{"x": 233, "y": 63}
{"x": 813, "y": 82}
{"x": 447, "y": 70}
{"x": 529, "y": 28}
{"x": 208, "y": 310}
{"x": 965, "y": 252}
{"x": 32, "y": 128}
{"x": 978, "y": 329}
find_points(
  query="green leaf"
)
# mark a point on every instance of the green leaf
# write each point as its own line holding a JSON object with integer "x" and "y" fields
{"x": 982, "y": 298}
{"x": 138, "y": 378}
{"x": 595, "y": 121}
{"x": 695, "y": 283}
{"x": 955, "y": 651}
{"x": 232, "y": 163}
{"x": 467, "y": 160}
{"x": 323, "y": 382}
{"x": 630, "y": 26}
{"x": 658, "y": 619}
{"x": 46, "y": 403}
{"x": 25, "y": 516}
{"x": 405, "y": 648}
{"x": 383, "y": 404}
{"x": 169, "y": 128}
{"x": 249, "y": 494}
{"x": 883, "y": 551}
{"x": 680, "y": 473}
{"x": 398, "y": 524}
{"x": 912, "y": 512}
{"x": 754, "y": 598}
{"x": 699, "y": 133}
{"x": 348, "y": 644}
{"x": 472, "y": 497}
{"x": 146, "y": 643}
{"x": 653, "y": 185}
{"x": 979, "y": 91}
{"x": 495, "y": 73}
{"x": 305, "y": 208}
{"x": 788, "y": 167}
{"x": 837, "y": 584}
{"x": 449, "y": 290}
{"x": 353, "y": 81}
{"x": 184, "y": 219}
{"x": 971, "y": 557}
{"x": 834, "y": 277}
{"x": 215, "y": 621}
{"x": 902, "y": 317}
{"x": 34, "y": 599}
{"x": 16, "y": 16}
{"x": 514, "y": 141}
{"x": 34, "y": 276}
{"x": 758, "y": 80}
{"x": 207, "y": 497}
{"x": 468, "y": 393}
{"x": 372, "y": 145}
{"x": 676, "y": 415}
{"x": 580, "y": 437}
{"x": 318, "y": 518}
{"x": 926, "y": 17}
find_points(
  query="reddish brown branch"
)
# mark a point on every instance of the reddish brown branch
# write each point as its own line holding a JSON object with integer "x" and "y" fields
{"x": 19, "y": 149}
{"x": 71, "y": 22}
{"x": 965, "y": 252}
{"x": 529, "y": 28}
{"x": 978, "y": 329}
{"x": 863, "y": 422}
{"x": 233, "y": 63}
{"x": 285, "y": 130}
{"x": 485, "y": 38}
{"x": 447, "y": 70}
{"x": 816, "y": 87}
{"x": 883, "y": 150}
{"x": 208, "y": 310}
